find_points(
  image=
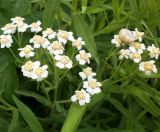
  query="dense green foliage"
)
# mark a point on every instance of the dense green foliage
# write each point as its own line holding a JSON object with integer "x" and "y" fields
{"x": 129, "y": 102}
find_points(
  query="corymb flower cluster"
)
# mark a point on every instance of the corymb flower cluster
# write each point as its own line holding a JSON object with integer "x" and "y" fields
{"x": 135, "y": 49}
{"x": 54, "y": 43}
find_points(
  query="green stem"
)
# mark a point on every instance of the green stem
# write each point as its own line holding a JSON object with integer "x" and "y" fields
{"x": 64, "y": 101}
{"x": 17, "y": 59}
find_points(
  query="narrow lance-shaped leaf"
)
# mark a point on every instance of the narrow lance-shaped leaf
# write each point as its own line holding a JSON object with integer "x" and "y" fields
{"x": 28, "y": 116}
{"x": 73, "y": 118}
{"x": 49, "y": 12}
{"x": 14, "y": 122}
{"x": 82, "y": 30}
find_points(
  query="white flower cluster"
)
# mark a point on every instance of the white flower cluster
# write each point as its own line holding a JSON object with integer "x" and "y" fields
{"x": 34, "y": 70}
{"x": 133, "y": 49}
{"x": 54, "y": 43}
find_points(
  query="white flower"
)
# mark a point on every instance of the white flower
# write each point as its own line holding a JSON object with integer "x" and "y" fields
{"x": 83, "y": 57}
{"x": 116, "y": 41}
{"x": 135, "y": 56}
{"x": 78, "y": 43}
{"x": 63, "y": 62}
{"x": 17, "y": 19}
{"x": 49, "y": 33}
{"x": 39, "y": 73}
{"x": 26, "y": 51}
{"x": 63, "y": 36}
{"x": 154, "y": 51}
{"x": 87, "y": 73}
{"x": 39, "y": 41}
{"x": 9, "y": 29}
{"x": 138, "y": 35}
{"x": 92, "y": 86}
{"x": 148, "y": 67}
{"x": 56, "y": 48}
{"x": 6, "y": 41}
{"x": 136, "y": 46}
{"x": 126, "y": 36}
{"x": 124, "y": 53}
{"x": 81, "y": 96}
{"x": 21, "y": 26}
{"x": 28, "y": 68}
{"x": 35, "y": 27}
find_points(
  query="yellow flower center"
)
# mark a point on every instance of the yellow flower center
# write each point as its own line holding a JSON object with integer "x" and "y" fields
{"x": 137, "y": 45}
{"x": 4, "y": 40}
{"x": 8, "y": 26}
{"x": 20, "y": 24}
{"x": 39, "y": 71}
{"x": 148, "y": 66}
{"x": 29, "y": 66}
{"x": 77, "y": 43}
{"x": 80, "y": 95}
{"x": 136, "y": 56}
{"x": 34, "y": 25}
{"x": 63, "y": 34}
{"x": 49, "y": 31}
{"x": 39, "y": 39}
{"x": 57, "y": 46}
{"x": 87, "y": 71}
{"x": 92, "y": 84}
{"x": 26, "y": 50}
{"x": 65, "y": 60}
{"x": 84, "y": 56}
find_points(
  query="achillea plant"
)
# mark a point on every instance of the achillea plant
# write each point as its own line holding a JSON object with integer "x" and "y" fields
{"x": 54, "y": 45}
{"x": 133, "y": 49}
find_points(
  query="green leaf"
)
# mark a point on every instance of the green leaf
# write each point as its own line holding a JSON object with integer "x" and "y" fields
{"x": 28, "y": 116}
{"x": 49, "y": 12}
{"x": 8, "y": 76}
{"x": 13, "y": 125}
{"x": 38, "y": 97}
{"x": 82, "y": 29}
{"x": 73, "y": 118}
{"x": 3, "y": 124}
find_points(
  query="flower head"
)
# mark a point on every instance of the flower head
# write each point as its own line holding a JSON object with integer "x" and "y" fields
{"x": 63, "y": 62}
{"x": 135, "y": 56}
{"x": 87, "y": 73}
{"x": 148, "y": 67}
{"x": 40, "y": 73}
{"x": 28, "y": 68}
{"x": 136, "y": 46}
{"x": 154, "y": 52}
{"x": 138, "y": 35}
{"x": 56, "y": 48}
{"x": 116, "y": 41}
{"x": 9, "y": 28}
{"x": 78, "y": 43}
{"x": 92, "y": 86}
{"x": 83, "y": 57}
{"x": 26, "y": 51}
{"x": 35, "y": 27}
{"x": 17, "y": 19}
{"x": 82, "y": 97}
{"x": 21, "y": 26}
{"x": 49, "y": 33}
{"x": 124, "y": 53}
{"x": 6, "y": 41}
{"x": 64, "y": 36}
{"x": 39, "y": 41}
